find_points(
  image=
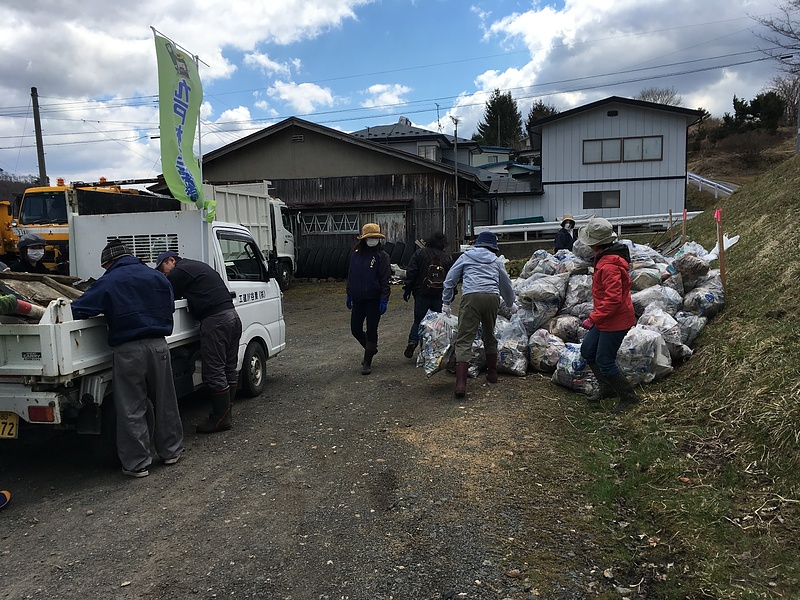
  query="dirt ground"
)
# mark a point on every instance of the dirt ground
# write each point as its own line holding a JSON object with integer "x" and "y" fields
{"x": 332, "y": 485}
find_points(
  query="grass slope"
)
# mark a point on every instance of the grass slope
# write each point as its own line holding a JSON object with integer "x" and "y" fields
{"x": 708, "y": 464}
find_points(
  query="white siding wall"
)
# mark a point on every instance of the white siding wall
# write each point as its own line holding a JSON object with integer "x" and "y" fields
{"x": 565, "y": 177}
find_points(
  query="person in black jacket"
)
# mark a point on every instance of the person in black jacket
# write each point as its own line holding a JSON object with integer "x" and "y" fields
{"x": 565, "y": 237}
{"x": 31, "y": 252}
{"x": 425, "y": 283}
{"x": 210, "y": 302}
{"x": 368, "y": 290}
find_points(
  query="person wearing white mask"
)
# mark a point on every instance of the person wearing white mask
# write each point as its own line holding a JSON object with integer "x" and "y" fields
{"x": 31, "y": 252}
{"x": 566, "y": 235}
{"x": 368, "y": 290}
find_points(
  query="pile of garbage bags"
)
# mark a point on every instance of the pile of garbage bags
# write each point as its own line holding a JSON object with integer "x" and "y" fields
{"x": 673, "y": 298}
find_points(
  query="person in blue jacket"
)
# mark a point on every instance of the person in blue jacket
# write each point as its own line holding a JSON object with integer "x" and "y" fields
{"x": 565, "y": 238}
{"x": 484, "y": 280}
{"x": 138, "y": 304}
{"x": 368, "y": 290}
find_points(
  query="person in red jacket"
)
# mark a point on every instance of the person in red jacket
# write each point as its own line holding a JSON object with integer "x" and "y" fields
{"x": 612, "y": 315}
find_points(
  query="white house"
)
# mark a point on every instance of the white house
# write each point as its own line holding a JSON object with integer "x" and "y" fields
{"x": 616, "y": 157}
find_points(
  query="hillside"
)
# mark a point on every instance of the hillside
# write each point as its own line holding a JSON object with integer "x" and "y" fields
{"x": 710, "y": 459}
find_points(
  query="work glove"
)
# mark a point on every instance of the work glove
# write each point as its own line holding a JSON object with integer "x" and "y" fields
{"x": 384, "y": 304}
{"x": 587, "y": 324}
{"x": 446, "y": 310}
{"x": 514, "y": 307}
{"x": 406, "y": 295}
{"x": 349, "y": 302}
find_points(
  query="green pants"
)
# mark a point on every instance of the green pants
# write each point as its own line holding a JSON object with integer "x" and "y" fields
{"x": 474, "y": 310}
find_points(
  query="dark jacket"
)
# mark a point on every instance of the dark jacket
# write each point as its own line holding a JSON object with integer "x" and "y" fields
{"x": 369, "y": 275}
{"x": 202, "y": 286}
{"x": 564, "y": 240}
{"x": 136, "y": 300}
{"x": 611, "y": 290}
{"x": 418, "y": 269}
{"x": 23, "y": 266}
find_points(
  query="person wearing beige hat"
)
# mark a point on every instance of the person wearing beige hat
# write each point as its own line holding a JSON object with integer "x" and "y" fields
{"x": 566, "y": 235}
{"x": 368, "y": 290}
{"x": 612, "y": 315}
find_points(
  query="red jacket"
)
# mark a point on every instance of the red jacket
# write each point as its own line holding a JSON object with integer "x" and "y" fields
{"x": 611, "y": 290}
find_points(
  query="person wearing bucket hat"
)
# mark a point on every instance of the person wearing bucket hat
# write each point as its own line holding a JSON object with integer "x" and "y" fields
{"x": 138, "y": 304}
{"x": 565, "y": 237}
{"x": 612, "y": 315}
{"x": 484, "y": 280}
{"x": 368, "y": 290}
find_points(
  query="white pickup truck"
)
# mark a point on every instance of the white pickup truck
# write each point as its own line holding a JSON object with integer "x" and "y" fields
{"x": 57, "y": 374}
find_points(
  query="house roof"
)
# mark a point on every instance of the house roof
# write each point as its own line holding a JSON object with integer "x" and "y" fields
{"x": 343, "y": 137}
{"x": 507, "y": 185}
{"x": 692, "y": 115}
{"x": 403, "y": 130}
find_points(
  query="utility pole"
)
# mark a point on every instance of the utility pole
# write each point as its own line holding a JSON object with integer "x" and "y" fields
{"x": 37, "y": 127}
{"x": 455, "y": 120}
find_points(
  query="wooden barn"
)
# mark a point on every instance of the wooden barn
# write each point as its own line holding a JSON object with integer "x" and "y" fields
{"x": 334, "y": 182}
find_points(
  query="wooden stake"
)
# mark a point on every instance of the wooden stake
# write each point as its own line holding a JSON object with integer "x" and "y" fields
{"x": 670, "y": 224}
{"x": 683, "y": 229}
{"x": 721, "y": 246}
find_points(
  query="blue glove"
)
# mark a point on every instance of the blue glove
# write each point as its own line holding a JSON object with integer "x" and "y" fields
{"x": 384, "y": 304}
{"x": 349, "y": 302}
{"x": 406, "y": 295}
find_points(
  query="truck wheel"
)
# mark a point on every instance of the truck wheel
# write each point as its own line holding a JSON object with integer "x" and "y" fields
{"x": 254, "y": 371}
{"x": 104, "y": 445}
{"x": 285, "y": 274}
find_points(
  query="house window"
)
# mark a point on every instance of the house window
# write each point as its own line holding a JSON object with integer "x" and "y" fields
{"x": 602, "y": 151}
{"x": 492, "y": 158}
{"x": 427, "y": 151}
{"x": 603, "y": 199}
{"x": 643, "y": 148}
{"x": 330, "y": 223}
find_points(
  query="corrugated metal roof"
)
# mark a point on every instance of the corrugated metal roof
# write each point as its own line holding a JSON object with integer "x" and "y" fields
{"x": 509, "y": 186}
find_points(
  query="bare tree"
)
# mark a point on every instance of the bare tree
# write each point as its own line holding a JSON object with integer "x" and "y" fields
{"x": 788, "y": 88}
{"x": 784, "y": 32}
{"x": 661, "y": 95}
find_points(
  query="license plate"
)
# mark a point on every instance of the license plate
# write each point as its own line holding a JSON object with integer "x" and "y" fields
{"x": 9, "y": 425}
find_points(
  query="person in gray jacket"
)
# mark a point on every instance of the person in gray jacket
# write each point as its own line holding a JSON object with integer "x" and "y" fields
{"x": 484, "y": 280}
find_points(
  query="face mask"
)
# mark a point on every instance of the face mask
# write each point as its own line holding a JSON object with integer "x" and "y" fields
{"x": 372, "y": 242}
{"x": 568, "y": 226}
{"x": 35, "y": 255}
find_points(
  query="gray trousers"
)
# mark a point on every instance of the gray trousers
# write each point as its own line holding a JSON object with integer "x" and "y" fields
{"x": 147, "y": 407}
{"x": 475, "y": 310}
{"x": 219, "y": 349}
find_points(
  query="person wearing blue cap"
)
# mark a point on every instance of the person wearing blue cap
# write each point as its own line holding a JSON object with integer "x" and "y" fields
{"x": 484, "y": 280}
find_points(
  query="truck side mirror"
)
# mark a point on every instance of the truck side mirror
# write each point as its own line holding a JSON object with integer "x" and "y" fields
{"x": 273, "y": 268}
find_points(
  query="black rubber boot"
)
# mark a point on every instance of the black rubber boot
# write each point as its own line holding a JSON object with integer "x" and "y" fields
{"x": 220, "y": 417}
{"x": 370, "y": 351}
{"x": 462, "y": 371}
{"x": 491, "y": 368}
{"x": 624, "y": 390}
{"x": 605, "y": 389}
{"x": 409, "y": 351}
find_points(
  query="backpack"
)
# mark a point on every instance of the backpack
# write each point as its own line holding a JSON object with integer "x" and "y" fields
{"x": 435, "y": 275}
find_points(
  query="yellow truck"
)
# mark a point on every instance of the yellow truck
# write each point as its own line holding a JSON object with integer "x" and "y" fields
{"x": 45, "y": 210}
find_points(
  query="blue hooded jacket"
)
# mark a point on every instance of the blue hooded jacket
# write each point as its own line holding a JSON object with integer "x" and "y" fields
{"x": 482, "y": 272}
{"x": 136, "y": 300}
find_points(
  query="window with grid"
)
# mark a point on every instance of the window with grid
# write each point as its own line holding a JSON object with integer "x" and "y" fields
{"x": 330, "y": 223}
{"x": 427, "y": 151}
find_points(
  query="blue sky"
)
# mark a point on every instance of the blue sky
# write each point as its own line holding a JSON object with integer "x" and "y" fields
{"x": 348, "y": 64}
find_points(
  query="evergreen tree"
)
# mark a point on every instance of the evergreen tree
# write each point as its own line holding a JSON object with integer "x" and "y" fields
{"x": 502, "y": 123}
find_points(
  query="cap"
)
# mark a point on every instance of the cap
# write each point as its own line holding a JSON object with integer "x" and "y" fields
{"x": 114, "y": 249}
{"x": 30, "y": 239}
{"x": 164, "y": 256}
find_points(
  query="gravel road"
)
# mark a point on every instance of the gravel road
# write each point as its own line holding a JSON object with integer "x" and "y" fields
{"x": 332, "y": 485}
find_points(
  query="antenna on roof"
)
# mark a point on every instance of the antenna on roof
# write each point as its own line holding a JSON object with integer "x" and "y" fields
{"x": 437, "y": 117}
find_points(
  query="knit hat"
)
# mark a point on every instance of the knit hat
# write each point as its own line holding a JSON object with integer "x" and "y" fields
{"x": 114, "y": 249}
{"x": 486, "y": 239}
{"x": 597, "y": 232}
{"x": 164, "y": 256}
{"x": 371, "y": 230}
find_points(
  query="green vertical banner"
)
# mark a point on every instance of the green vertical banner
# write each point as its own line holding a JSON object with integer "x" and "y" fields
{"x": 180, "y": 94}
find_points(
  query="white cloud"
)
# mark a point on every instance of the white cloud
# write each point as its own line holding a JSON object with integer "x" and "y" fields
{"x": 265, "y": 64}
{"x": 302, "y": 97}
{"x": 385, "y": 95}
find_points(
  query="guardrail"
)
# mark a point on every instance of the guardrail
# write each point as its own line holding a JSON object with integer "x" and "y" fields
{"x": 715, "y": 185}
{"x": 665, "y": 219}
